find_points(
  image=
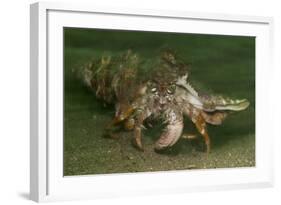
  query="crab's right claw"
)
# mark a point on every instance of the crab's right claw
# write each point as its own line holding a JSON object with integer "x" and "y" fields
{"x": 170, "y": 136}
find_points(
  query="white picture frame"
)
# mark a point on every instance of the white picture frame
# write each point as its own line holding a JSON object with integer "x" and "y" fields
{"x": 47, "y": 182}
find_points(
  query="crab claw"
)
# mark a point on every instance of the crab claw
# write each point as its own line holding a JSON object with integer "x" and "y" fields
{"x": 170, "y": 136}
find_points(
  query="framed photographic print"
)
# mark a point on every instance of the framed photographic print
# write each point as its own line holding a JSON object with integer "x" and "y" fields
{"x": 129, "y": 101}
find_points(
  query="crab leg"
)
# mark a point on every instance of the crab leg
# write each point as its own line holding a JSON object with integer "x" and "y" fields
{"x": 141, "y": 115}
{"x": 137, "y": 135}
{"x": 201, "y": 127}
{"x": 120, "y": 117}
{"x": 198, "y": 118}
{"x": 189, "y": 136}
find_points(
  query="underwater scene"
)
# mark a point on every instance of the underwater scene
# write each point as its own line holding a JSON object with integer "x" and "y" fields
{"x": 138, "y": 101}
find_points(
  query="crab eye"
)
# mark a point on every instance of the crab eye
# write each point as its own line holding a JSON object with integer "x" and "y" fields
{"x": 153, "y": 90}
{"x": 171, "y": 89}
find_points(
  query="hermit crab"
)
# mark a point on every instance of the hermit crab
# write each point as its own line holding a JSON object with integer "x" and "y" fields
{"x": 142, "y": 90}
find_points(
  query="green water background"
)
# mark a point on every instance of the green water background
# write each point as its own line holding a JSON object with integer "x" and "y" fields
{"x": 219, "y": 64}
